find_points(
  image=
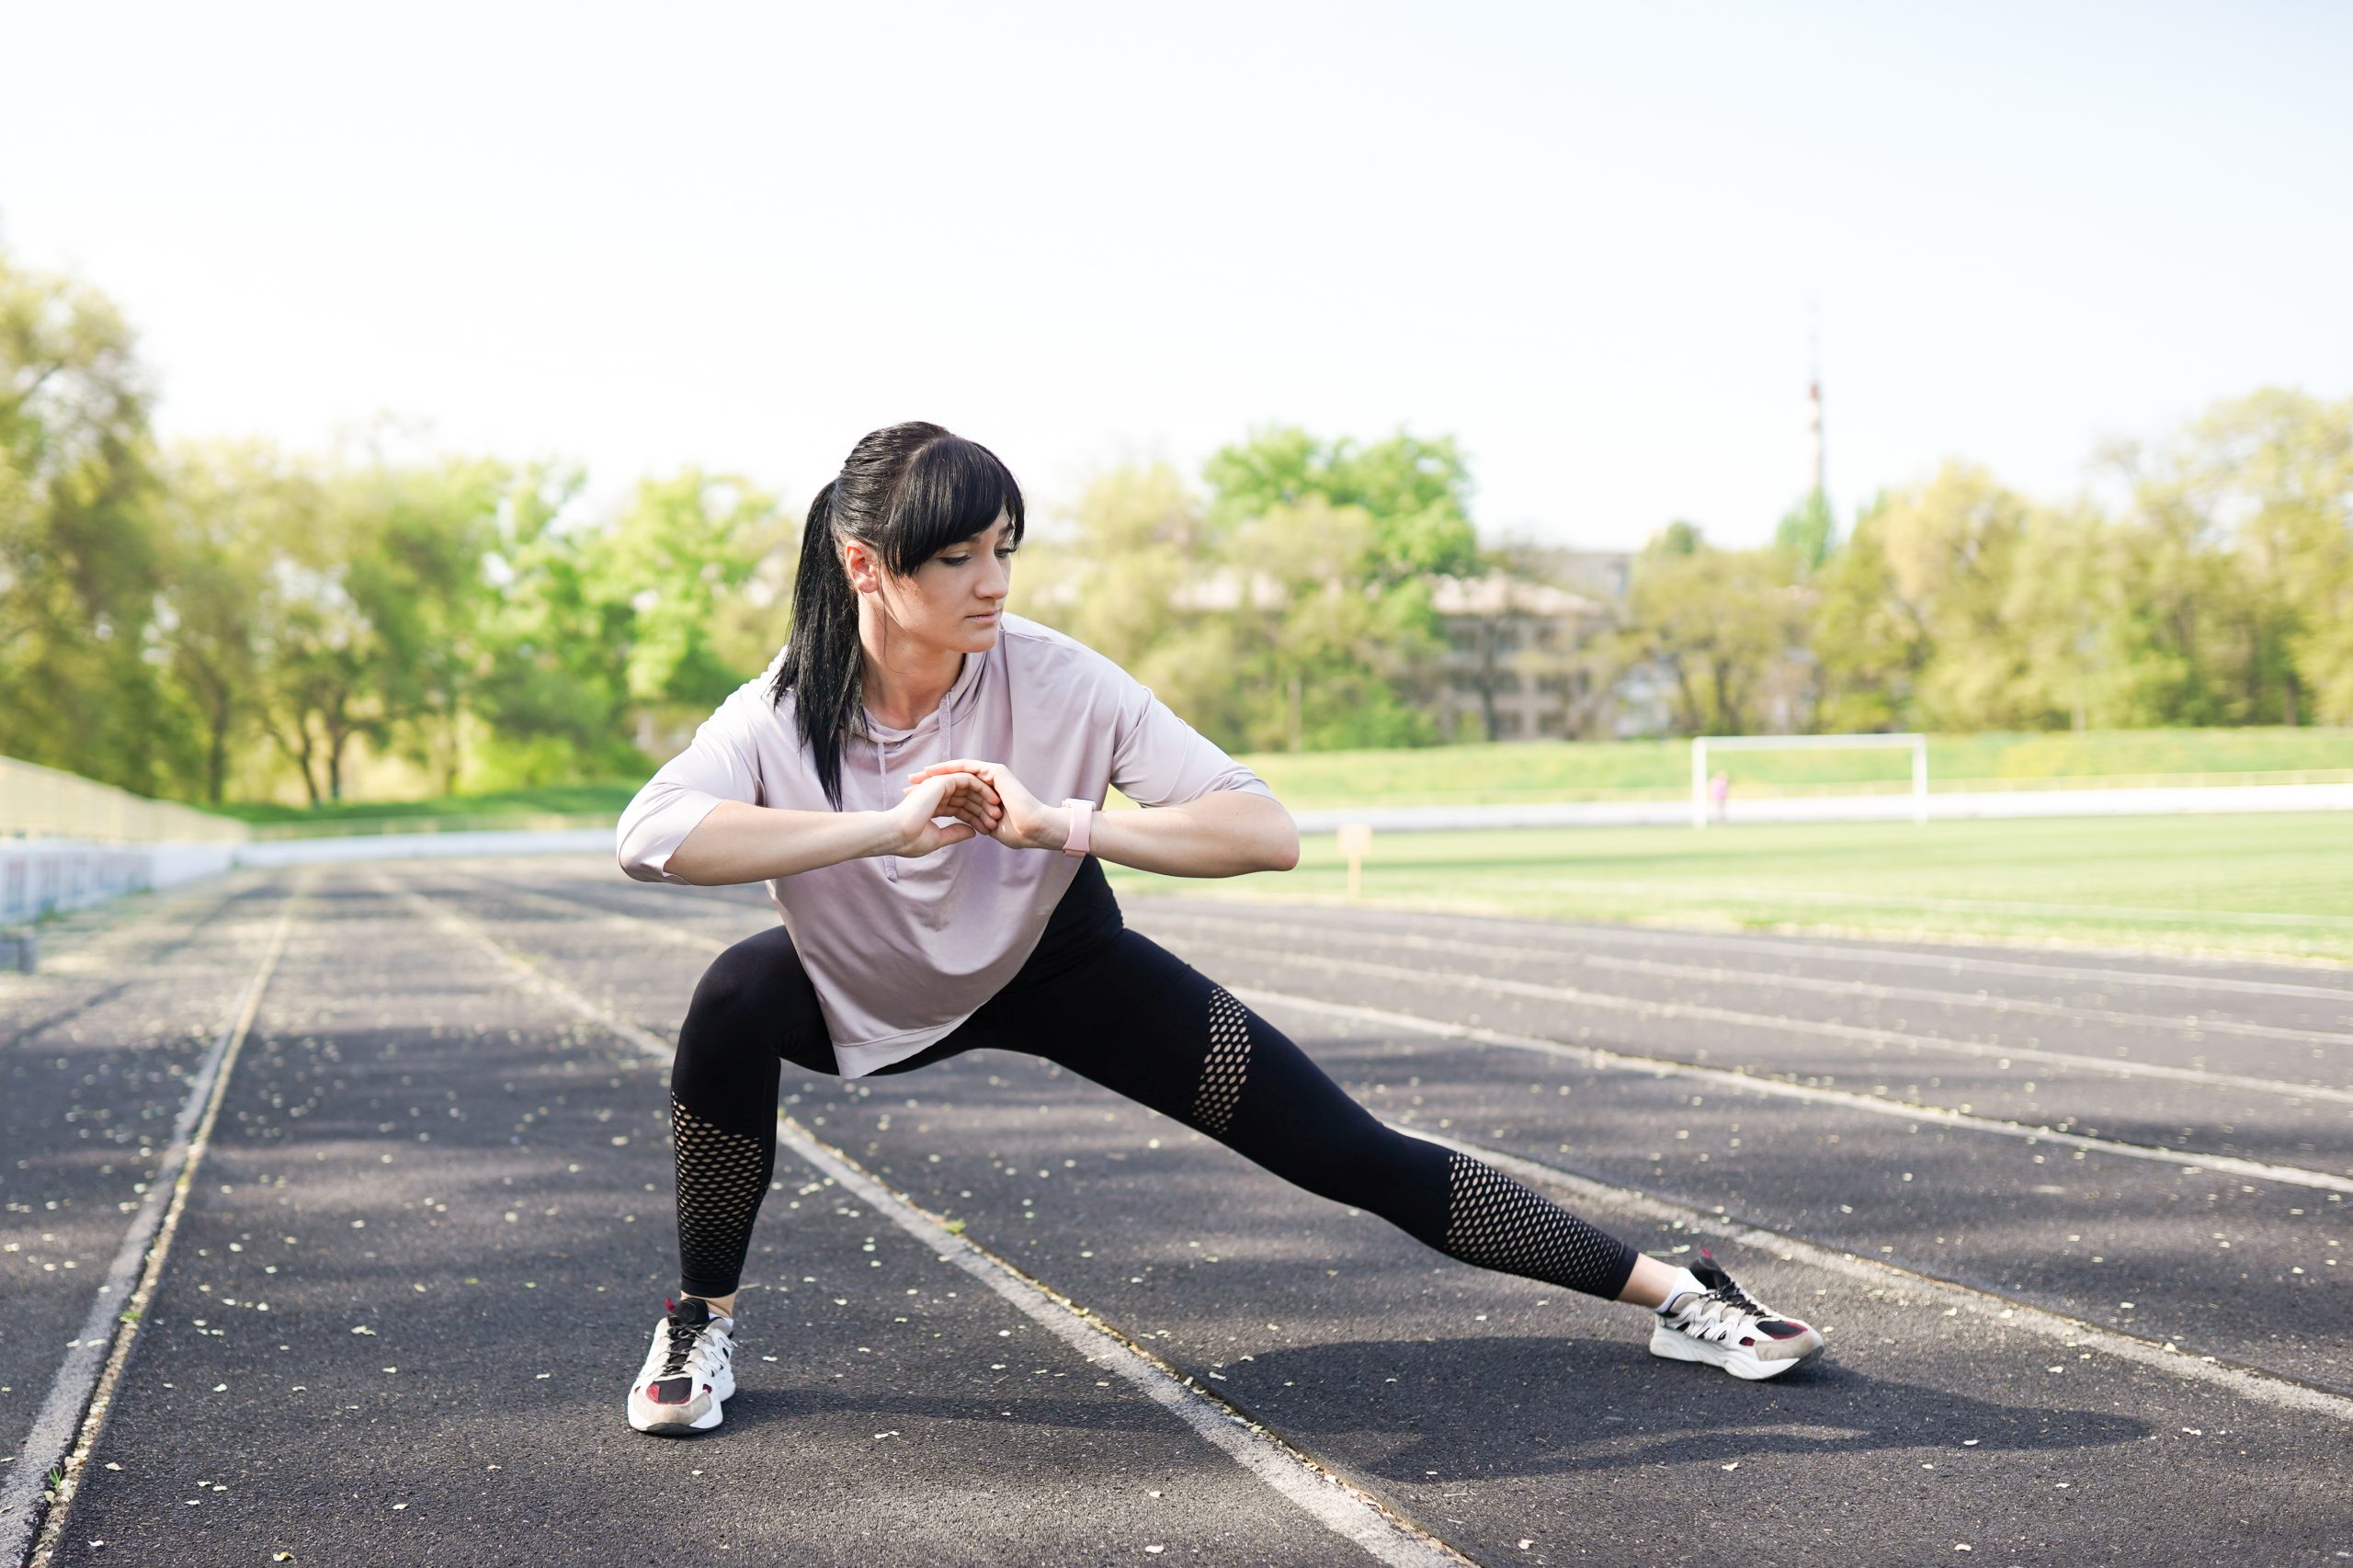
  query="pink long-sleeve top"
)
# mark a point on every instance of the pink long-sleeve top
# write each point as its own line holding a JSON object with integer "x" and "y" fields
{"x": 903, "y": 950}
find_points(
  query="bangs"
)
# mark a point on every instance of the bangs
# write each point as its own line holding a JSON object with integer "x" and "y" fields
{"x": 953, "y": 489}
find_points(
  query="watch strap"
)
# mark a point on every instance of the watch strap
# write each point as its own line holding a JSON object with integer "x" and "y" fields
{"x": 1082, "y": 825}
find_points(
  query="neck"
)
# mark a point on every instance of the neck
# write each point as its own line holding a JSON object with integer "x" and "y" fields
{"x": 903, "y": 679}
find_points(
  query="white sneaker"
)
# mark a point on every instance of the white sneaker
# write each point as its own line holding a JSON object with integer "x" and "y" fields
{"x": 1724, "y": 1327}
{"x": 686, "y": 1374}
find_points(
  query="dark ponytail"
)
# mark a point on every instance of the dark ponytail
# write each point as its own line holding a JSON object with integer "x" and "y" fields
{"x": 909, "y": 491}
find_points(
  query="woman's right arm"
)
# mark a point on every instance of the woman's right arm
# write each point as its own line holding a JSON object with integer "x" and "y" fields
{"x": 737, "y": 842}
{"x": 698, "y": 820}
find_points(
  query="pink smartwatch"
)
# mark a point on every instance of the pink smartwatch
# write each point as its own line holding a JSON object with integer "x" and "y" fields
{"x": 1082, "y": 824}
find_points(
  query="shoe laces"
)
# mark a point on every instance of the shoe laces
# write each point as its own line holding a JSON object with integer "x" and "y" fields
{"x": 682, "y": 1338}
{"x": 1720, "y": 1311}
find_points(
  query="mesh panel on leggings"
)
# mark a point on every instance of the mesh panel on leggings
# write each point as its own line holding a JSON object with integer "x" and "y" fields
{"x": 1228, "y": 1064}
{"x": 1495, "y": 1222}
{"x": 723, "y": 1175}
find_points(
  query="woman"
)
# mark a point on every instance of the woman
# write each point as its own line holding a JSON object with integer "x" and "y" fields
{"x": 916, "y": 778}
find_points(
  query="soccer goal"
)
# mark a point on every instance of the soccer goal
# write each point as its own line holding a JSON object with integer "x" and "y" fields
{"x": 1703, "y": 745}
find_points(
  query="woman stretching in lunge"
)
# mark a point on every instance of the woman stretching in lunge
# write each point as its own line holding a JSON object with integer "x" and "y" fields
{"x": 889, "y": 777}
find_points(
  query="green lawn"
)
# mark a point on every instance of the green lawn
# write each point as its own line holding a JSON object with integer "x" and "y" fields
{"x": 2270, "y": 886}
{"x": 1568, "y": 770}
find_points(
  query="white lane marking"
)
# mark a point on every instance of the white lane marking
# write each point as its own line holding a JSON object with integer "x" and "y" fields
{"x": 75, "y": 1411}
{"x": 2247, "y": 1382}
{"x": 1355, "y": 1516}
{"x": 1348, "y": 1511}
{"x": 1655, "y": 936}
{"x": 1964, "y": 905}
{"x": 1611, "y": 1002}
{"x": 1657, "y": 1067}
{"x": 1717, "y": 973}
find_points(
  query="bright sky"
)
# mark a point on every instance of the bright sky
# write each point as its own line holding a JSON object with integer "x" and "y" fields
{"x": 1581, "y": 238}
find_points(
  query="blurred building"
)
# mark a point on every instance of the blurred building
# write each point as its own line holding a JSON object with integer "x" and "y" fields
{"x": 1520, "y": 660}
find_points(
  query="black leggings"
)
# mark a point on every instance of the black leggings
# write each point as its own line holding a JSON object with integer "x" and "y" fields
{"x": 1138, "y": 1020}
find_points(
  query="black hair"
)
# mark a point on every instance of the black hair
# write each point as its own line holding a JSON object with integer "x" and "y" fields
{"x": 909, "y": 491}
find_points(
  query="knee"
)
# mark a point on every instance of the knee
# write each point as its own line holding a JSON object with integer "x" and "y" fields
{"x": 1369, "y": 1167}
{"x": 746, "y": 981}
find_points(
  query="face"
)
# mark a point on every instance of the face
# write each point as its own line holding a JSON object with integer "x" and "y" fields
{"x": 953, "y": 601}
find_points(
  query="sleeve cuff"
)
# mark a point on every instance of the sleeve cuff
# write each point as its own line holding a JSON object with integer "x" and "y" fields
{"x": 653, "y": 827}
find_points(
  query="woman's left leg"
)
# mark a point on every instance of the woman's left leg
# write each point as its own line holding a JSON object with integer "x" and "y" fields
{"x": 1145, "y": 1024}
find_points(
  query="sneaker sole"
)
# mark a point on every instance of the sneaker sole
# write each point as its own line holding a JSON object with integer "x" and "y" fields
{"x": 698, "y": 1414}
{"x": 1741, "y": 1363}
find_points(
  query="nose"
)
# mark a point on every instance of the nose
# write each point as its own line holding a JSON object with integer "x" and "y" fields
{"x": 996, "y": 580}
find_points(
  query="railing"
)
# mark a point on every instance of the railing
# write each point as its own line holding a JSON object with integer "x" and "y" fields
{"x": 476, "y": 822}
{"x": 42, "y": 803}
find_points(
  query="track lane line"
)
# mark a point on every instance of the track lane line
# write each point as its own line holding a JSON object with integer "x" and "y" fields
{"x": 1840, "y": 951}
{"x": 1643, "y": 1007}
{"x": 73, "y": 1415}
{"x": 1613, "y": 1001}
{"x": 1861, "y": 988}
{"x": 1376, "y": 1527}
{"x": 2249, "y": 1383}
{"x": 1600, "y": 1057}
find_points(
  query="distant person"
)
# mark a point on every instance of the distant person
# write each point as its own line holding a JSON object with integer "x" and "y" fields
{"x": 907, "y": 694}
{"x": 1719, "y": 791}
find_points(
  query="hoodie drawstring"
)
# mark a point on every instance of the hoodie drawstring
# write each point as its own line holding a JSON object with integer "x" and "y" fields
{"x": 882, "y": 775}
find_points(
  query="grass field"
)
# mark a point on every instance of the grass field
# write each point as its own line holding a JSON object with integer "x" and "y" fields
{"x": 1565, "y": 770}
{"x": 2270, "y": 886}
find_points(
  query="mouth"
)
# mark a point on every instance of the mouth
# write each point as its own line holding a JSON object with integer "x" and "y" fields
{"x": 989, "y": 615}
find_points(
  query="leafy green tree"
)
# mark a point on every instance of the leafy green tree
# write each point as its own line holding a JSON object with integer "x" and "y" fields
{"x": 1806, "y": 532}
{"x": 421, "y": 532}
{"x": 1726, "y": 627}
{"x": 78, "y": 567}
{"x": 1417, "y": 492}
{"x": 1910, "y": 626}
{"x": 216, "y": 520}
{"x": 1323, "y": 653}
{"x": 2242, "y": 535}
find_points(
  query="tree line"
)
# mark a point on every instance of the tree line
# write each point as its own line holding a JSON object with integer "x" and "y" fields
{"x": 219, "y": 620}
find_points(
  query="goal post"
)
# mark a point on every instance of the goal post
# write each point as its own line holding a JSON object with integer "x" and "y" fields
{"x": 1703, "y": 745}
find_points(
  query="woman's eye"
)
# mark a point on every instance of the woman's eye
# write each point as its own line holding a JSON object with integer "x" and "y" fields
{"x": 954, "y": 560}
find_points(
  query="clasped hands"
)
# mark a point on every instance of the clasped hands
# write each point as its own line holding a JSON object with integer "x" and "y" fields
{"x": 982, "y": 797}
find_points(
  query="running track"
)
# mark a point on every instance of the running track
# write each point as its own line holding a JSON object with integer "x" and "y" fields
{"x": 375, "y": 1155}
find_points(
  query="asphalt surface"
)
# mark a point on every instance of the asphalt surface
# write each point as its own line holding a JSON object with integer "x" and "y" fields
{"x": 425, "y": 1244}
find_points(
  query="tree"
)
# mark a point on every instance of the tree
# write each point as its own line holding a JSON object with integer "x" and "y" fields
{"x": 1726, "y": 627}
{"x": 217, "y": 517}
{"x": 1416, "y": 493}
{"x": 78, "y": 568}
{"x": 1323, "y": 663}
{"x": 1911, "y": 625}
{"x": 1806, "y": 532}
{"x": 2243, "y": 528}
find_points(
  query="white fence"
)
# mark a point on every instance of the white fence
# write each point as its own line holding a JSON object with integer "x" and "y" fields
{"x": 43, "y": 875}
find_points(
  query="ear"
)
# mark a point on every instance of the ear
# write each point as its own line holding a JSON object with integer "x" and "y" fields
{"x": 864, "y": 565}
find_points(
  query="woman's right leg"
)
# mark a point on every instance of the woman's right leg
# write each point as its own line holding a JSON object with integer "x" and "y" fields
{"x": 754, "y": 1009}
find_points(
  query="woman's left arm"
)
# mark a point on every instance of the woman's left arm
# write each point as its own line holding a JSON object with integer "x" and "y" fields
{"x": 1223, "y": 834}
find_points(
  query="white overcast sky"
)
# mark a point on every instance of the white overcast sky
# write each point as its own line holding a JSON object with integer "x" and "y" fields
{"x": 1581, "y": 238}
